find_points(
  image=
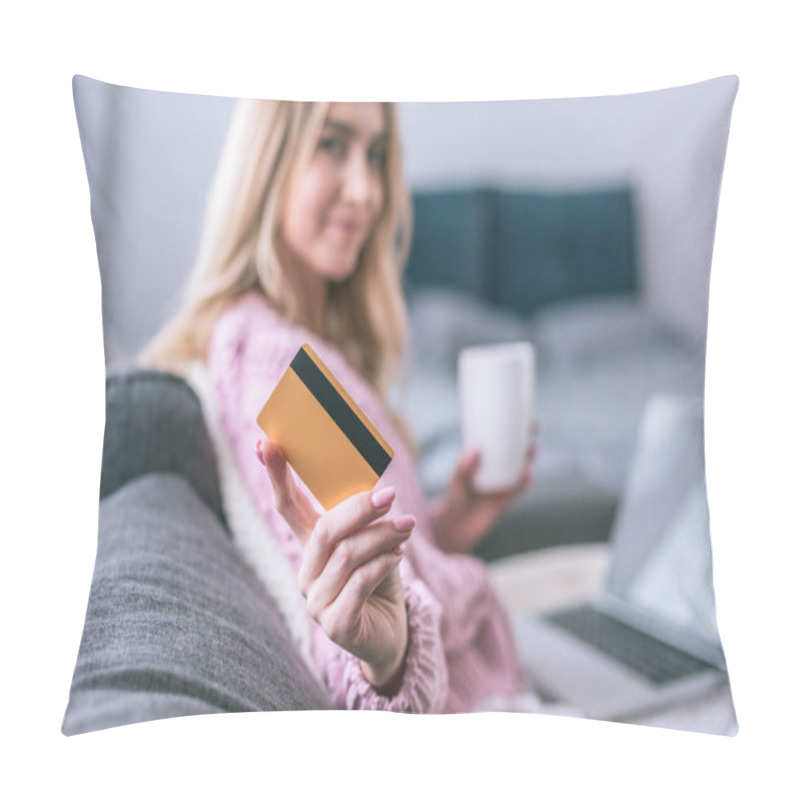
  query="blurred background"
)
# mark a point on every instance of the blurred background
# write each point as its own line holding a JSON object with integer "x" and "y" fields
{"x": 583, "y": 225}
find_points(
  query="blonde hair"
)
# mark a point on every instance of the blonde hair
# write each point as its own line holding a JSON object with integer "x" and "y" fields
{"x": 365, "y": 314}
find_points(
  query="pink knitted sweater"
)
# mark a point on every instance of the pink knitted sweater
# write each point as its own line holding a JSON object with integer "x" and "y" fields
{"x": 461, "y": 646}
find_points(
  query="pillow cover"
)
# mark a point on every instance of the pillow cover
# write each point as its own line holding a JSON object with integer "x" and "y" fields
{"x": 585, "y": 201}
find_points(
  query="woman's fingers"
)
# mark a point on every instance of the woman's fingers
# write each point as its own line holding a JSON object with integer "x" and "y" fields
{"x": 342, "y": 617}
{"x": 468, "y": 465}
{"x": 351, "y": 515}
{"x": 292, "y": 504}
{"x": 348, "y": 572}
{"x": 346, "y": 557}
{"x": 321, "y": 535}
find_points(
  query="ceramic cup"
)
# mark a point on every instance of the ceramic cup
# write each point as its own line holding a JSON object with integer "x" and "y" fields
{"x": 496, "y": 395}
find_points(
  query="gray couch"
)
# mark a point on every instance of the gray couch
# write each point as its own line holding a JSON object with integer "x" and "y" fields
{"x": 177, "y": 623}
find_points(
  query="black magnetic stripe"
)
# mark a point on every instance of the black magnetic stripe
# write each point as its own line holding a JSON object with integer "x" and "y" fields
{"x": 340, "y": 412}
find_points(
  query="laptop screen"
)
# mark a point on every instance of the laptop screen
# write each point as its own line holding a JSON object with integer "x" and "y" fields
{"x": 675, "y": 583}
{"x": 661, "y": 559}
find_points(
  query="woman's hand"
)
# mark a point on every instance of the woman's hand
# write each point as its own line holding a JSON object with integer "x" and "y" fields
{"x": 349, "y": 572}
{"x": 463, "y": 515}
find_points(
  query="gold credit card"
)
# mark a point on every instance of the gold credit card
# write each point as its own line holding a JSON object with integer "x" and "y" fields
{"x": 325, "y": 436}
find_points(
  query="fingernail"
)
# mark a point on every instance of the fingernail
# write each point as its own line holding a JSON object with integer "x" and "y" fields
{"x": 405, "y": 523}
{"x": 383, "y": 497}
{"x": 399, "y": 549}
{"x": 259, "y": 454}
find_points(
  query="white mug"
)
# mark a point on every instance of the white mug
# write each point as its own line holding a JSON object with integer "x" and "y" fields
{"x": 496, "y": 393}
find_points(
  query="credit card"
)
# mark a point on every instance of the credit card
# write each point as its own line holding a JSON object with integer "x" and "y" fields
{"x": 328, "y": 440}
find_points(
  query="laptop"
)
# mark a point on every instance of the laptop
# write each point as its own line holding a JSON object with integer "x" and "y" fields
{"x": 650, "y": 639}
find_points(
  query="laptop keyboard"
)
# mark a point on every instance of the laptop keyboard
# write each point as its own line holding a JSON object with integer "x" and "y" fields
{"x": 650, "y": 657}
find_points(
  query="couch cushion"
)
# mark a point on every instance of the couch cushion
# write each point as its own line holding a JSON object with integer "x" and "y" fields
{"x": 451, "y": 244}
{"x": 524, "y": 250}
{"x": 176, "y": 622}
{"x": 557, "y": 246}
{"x": 154, "y": 423}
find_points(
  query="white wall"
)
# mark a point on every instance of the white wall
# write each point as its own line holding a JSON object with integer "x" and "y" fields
{"x": 151, "y": 156}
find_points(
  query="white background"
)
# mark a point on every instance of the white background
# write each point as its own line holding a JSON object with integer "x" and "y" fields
{"x": 52, "y": 406}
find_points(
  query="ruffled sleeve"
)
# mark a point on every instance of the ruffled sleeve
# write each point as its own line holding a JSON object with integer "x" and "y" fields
{"x": 424, "y": 687}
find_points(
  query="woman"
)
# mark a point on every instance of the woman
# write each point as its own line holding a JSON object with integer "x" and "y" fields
{"x": 307, "y": 229}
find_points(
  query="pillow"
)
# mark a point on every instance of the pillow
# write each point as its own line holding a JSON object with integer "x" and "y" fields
{"x": 442, "y": 322}
{"x": 559, "y": 245}
{"x": 582, "y": 223}
{"x": 452, "y": 241}
{"x": 524, "y": 250}
{"x": 583, "y": 332}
